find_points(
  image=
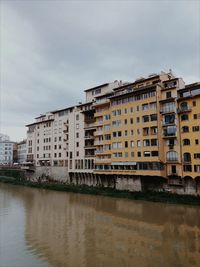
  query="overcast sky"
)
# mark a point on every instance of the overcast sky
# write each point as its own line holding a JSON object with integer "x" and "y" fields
{"x": 50, "y": 51}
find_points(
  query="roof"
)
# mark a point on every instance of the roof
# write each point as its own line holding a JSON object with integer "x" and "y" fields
{"x": 135, "y": 91}
{"x": 96, "y": 87}
{"x": 38, "y": 122}
{"x": 59, "y": 110}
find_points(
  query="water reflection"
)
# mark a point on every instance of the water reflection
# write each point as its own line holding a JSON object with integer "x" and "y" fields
{"x": 81, "y": 230}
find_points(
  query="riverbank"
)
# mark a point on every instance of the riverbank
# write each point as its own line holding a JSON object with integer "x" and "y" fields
{"x": 105, "y": 191}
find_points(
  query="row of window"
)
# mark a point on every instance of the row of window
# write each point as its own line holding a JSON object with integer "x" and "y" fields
{"x": 134, "y": 98}
{"x": 186, "y": 129}
{"x": 132, "y": 154}
{"x": 136, "y": 166}
{"x": 146, "y": 106}
{"x": 188, "y": 168}
{"x": 186, "y": 142}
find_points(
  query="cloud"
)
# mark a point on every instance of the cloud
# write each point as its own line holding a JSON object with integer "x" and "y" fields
{"x": 52, "y": 50}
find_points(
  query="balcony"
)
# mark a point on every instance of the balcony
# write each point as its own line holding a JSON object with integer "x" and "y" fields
{"x": 97, "y": 160}
{"x": 89, "y": 137}
{"x": 169, "y": 135}
{"x": 89, "y": 125}
{"x": 101, "y": 101}
{"x": 97, "y": 123}
{"x": 98, "y": 152}
{"x": 164, "y": 111}
{"x": 99, "y": 132}
{"x": 98, "y": 142}
{"x": 184, "y": 109}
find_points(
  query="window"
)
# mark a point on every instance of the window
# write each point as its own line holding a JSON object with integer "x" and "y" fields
{"x": 138, "y": 143}
{"x": 126, "y": 154}
{"x": 77, "y": 117}
{"x": 187, "y": 157}
{"x": 125, "y": 133}
{"x": 168, "y": 107}
{"x": 139, "y": 154}
{"x": 131, "y": 120}
{"x": 184, "y": 117}
{"x": 137, "y": 108}
{"x": 194, "y": 103}
{"x": 77, "y": 153}
{"x": 154, "y": 153}
{"x": 77, "y": 144}
{"x": 145, "y": 118}
{"x": 186, "y": 142}
{"x": 184, "y": 106}
{"x": 55, "y": 155}
{"x": 195, "y": 128}
{"x": 197, "y": 168}
{"x": 154, "y": 142}
{"x": 169, "y": 119}
{"x": 185, "y": 129}
{"x": 172, "y": 156}
{"x": 132, "y": 154}
{"x": 59, "y": 155}
{"x": 132, "y": 143}
{"x": 125, "y": 111}
{"x": 196, "y": 155}
{"x": 131, "y": 109}
{"x": 125, "y": 121}
{"x": 146, "y": 131}
{"x": 154, "y": 130}
{"x": 170, "y": 131}
{"x": 168, "y": 94}
{"x": 126, "y": 144}
{"x": 146, "y": 142}
{"x": 187, "y": 168}
{"x": 153, "y": 117}
{"x": 196, "y": 141}
{"x": 147, "y": 153}
{"x": 138, "y": 119}
{"x": 173, "y": 169}
{"x": 196, "y": 116}
{"x": 145, "y": 107}
{"x": 77, "y": 135}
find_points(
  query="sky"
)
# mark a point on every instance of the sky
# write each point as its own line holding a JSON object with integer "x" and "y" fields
{"x": 51, "y": 51}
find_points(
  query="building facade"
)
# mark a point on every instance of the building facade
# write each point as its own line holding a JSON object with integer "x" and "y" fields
{"x": 21, "y": 152}
{"x": 6, "y": 150}
{"x": 146, "y": 129}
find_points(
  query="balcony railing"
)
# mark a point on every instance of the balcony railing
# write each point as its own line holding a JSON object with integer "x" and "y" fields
{"x": 168, "y": 110}
{"x": 100, "y": 132}
{"x": 184, "y": 109}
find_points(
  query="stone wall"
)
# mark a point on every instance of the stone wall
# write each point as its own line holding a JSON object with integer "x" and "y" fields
{"x": 49, "y": 173}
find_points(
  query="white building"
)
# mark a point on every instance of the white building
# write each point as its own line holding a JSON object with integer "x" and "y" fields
{"x": 6, "y": 150}
{"x": 65, "y": 137}
{"x": 21, "y": 152}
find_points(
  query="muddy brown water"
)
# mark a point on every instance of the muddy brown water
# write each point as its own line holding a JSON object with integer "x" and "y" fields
{"x": 41, "y": 228}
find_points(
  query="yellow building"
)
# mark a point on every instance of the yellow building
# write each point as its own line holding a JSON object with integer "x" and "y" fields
{"x": 189, "y": 117}
{"x": 139, "y": 130}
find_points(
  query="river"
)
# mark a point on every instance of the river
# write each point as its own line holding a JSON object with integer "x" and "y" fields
{"x": 41, "y": 228}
